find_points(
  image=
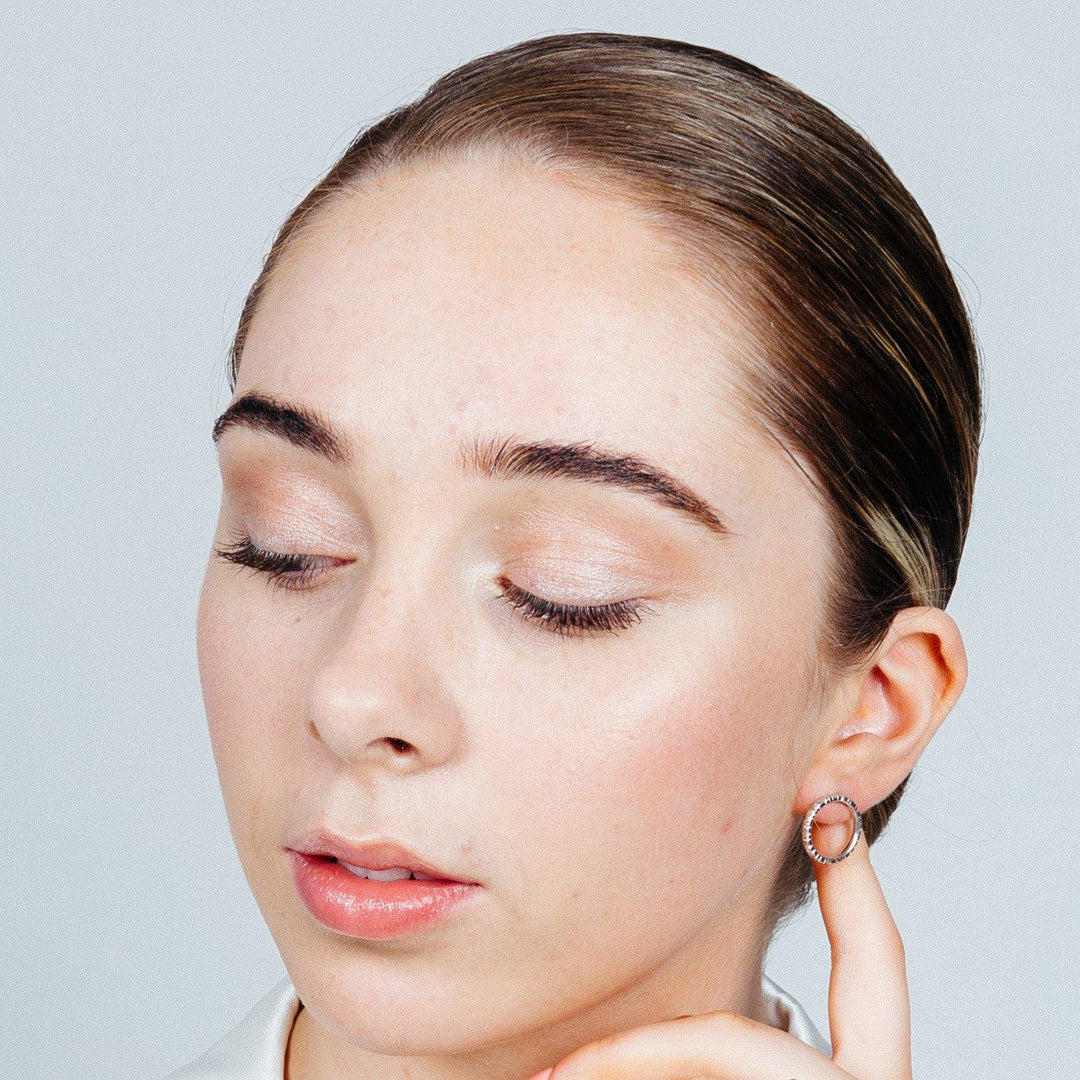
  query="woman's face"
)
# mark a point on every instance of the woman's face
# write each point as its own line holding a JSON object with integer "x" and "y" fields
{"x": 621, "y": 796}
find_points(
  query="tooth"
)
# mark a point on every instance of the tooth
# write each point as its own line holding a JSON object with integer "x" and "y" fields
{"x": 393, "y": 873}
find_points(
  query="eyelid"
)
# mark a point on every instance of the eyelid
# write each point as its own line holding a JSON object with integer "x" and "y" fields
{"x": 574, "y": 620}
{"x": 293, "y": 505}
{"x": 293, "y": 571}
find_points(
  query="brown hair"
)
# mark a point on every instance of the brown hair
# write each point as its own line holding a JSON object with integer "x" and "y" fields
{"x": 864, "y": 362}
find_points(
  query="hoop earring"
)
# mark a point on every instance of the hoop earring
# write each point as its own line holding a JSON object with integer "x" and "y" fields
{"x": 808, "y": 824}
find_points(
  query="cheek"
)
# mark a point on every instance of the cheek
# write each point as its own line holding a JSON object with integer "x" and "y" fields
{"x": 645, "y": 806}
{"x": 228, "y": 671}
{"x": 248, "y": 688}
{"x": 690, "y": 776}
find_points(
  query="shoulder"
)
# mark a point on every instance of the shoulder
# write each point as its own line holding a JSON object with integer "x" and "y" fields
{"x": 255, "y": 1048}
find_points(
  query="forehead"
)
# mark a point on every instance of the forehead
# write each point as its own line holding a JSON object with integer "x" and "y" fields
{"x": 484, "y": 296}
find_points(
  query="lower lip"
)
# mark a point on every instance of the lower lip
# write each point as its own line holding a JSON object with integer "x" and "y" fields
{"x": 360, "y": 907}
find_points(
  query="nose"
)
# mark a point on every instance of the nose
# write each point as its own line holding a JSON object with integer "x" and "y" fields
{"x": 375, "y": 696}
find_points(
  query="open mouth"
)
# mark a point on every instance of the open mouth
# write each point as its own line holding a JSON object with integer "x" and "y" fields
{"x": 375, "y": 904}
{"x": 393, "y": 873}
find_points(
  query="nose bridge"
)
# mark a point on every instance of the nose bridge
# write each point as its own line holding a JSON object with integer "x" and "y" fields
{"x": 376, "y": 691}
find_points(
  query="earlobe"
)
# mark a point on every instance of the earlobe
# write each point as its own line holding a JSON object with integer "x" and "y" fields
{"x": 901, "y": 699}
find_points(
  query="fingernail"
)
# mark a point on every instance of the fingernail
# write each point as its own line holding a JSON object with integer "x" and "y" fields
{"x": 543, "y": 1075}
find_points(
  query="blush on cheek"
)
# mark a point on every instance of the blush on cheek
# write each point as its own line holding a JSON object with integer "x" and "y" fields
{"x": 700, "y": 780}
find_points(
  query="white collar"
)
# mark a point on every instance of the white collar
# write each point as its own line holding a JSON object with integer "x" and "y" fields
{"x": 255, "y": 1048}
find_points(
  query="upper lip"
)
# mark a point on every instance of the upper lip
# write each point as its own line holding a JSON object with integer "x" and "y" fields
{"x": 376, "y": 854}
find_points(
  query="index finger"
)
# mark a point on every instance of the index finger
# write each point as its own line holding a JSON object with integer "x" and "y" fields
{"x": 869, "y": 1009}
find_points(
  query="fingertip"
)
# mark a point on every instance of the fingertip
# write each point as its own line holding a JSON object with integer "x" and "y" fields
{"x": 834, "y": 838}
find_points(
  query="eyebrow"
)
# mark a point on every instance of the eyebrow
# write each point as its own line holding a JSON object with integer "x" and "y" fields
{"x": 494, "y": 458}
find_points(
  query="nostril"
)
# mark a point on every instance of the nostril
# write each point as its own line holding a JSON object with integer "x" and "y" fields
{"x": 398, "y": 744}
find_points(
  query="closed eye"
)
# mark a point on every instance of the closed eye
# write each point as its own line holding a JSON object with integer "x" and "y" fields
{"x": 298, "y": 573}
{"x": 572, "y": 620}
{"x": 285, "y": 570}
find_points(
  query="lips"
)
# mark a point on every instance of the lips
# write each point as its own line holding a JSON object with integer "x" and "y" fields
{"x": 376, "y": 854}
{"x": 376, "y": 910}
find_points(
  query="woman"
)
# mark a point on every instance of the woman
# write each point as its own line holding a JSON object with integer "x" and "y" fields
{"x": 599, "y": 460}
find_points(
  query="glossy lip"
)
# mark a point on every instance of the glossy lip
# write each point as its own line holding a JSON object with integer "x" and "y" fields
{"x": 363, "y": 908}
{"x": 379, "y": 853}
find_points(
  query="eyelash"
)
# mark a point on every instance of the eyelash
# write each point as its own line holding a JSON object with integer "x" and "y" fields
{"x": 572, "y": 620}
{"x": 294, "y": 572}
{"x": 287, "y": 571}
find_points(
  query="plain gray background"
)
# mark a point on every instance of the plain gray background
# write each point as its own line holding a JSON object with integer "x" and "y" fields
{"x": 150, "y": 151}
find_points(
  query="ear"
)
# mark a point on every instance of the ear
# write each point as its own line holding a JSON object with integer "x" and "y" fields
{"x": 900, "y": 699}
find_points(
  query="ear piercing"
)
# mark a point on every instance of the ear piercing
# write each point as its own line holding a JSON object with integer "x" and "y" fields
{"x": 808, "y": 824}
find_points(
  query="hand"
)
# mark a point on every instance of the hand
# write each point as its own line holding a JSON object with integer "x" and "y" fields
{"x": 869, "y": 1011}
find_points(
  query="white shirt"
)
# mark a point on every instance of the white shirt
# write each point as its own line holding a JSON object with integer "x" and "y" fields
{"x": 255, "y": 1048}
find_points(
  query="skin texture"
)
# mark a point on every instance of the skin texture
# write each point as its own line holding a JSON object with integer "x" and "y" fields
{"x": 623, "y": 798}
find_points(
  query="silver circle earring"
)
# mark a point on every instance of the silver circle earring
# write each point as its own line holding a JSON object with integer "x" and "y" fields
{"x": 808, "y": 824}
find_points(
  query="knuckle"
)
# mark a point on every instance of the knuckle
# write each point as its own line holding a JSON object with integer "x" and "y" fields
{"x": 737, "y": 1020}
{"x": 895, "y": 943}
{"x": 614, "y": 1056}
{"x": 870, "y": 944}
